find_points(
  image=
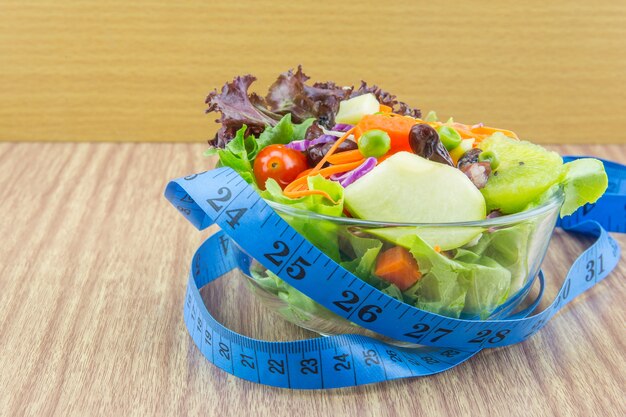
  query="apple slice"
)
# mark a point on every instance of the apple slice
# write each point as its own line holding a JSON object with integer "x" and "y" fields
{"x": 407, "y": 188}
{"x": 445, "y": 238}
{"x": 352, "y": 110}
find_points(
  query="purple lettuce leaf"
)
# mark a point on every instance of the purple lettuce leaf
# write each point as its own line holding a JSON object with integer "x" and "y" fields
{"x": 290, "y": 94}
{"x": 238, "y": 108}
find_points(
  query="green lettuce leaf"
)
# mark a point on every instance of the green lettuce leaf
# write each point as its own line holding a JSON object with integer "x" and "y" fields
{"x": 284, "y": 132}
{"x": 299, "y": 306}
{"x": 322, "y": 233}
{"x": 488, "y": 286}
{"x": 443, "y": 286}
{"x": 239, "y": 155}
{"x": 211, "y": 151}
{"x": 508, "y": 247}
{"x": 365, "y": 251}
{"x": 584, "y": 182}
{"x": 471, "y": 284}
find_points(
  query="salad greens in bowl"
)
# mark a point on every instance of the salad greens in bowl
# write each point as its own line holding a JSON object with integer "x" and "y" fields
{"x": 448, "y": 217}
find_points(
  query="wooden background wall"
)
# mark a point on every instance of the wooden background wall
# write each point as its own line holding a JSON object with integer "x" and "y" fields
{"x": 554, "y": 71}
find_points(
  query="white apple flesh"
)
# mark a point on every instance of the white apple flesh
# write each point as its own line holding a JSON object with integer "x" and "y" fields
{"x": 407, "y": 188}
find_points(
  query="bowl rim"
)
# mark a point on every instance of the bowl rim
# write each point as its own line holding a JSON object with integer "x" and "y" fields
{"x": 555, "y": 201}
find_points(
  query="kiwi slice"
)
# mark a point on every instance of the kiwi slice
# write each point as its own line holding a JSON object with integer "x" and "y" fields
{"x": 524, "y": 172}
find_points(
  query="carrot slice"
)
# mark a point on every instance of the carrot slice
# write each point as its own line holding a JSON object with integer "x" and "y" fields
{"x": 397, "y": 265}
{"x": 345, "y": 157}
{"x": 397, "y": 127}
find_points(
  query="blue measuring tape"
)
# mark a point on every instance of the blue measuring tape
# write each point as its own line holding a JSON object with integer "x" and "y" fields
{"x": 222, "y": 197}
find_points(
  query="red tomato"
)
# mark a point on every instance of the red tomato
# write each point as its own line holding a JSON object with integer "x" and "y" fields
{"x": 280, "y": 163}
{"x": 397, "y": 127}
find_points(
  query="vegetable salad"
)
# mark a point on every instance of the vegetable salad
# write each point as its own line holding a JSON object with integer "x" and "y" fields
{"x": 361, "y": 153}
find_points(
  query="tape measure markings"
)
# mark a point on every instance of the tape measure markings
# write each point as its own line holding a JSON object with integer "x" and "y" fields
{"x": 285, "y": 247}
{"x": 311, "y": 363}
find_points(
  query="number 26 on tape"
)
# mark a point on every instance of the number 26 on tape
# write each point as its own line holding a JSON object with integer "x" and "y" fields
{"x": 367, "y": 313}
{"x": 224, "y": 194}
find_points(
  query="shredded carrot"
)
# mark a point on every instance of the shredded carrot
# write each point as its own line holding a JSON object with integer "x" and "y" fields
{"x": 297, "y": 188}
{"x": 384, "y": 109}
{"x": 295, "y": 184}
{"x": 304, "y": 173}
{"x": 338, "y": 169}
{"x": 345, "y": 157}
{"x": 488, "y": 131}
{"x": 300, "y": 184}
{"x": 468, "y": 134}
{"x": 304, "y": 193}
{"x": 331, "y": 151}
{"x": 437, "y": 248}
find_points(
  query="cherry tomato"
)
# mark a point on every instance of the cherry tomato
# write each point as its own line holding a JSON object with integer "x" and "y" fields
{"x": 280, "y": 163}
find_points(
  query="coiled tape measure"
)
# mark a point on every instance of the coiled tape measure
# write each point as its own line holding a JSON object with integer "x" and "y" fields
{"x": 222, "y": 197}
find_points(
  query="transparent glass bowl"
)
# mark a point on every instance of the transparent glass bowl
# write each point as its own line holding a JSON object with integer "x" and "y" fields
{"x": 481, "y": 269}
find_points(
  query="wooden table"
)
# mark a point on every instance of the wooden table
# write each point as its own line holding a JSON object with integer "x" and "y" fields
{"x": 93, "y": 269}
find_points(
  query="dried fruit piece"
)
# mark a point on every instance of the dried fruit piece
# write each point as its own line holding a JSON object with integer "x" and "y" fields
{"x": 424, "y": 141}
{"x": 478, "y": 173}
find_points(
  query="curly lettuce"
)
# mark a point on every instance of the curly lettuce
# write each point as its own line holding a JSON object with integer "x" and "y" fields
{"x": 289, "y": 94}
{"x": 238, "y": 109}
{"x": 240, "y": 151}
{"x": 238, "y": 154}
{"x": 284, "y": 132}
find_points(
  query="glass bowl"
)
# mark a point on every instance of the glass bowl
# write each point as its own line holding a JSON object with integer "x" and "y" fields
{"x": 481, "y": 269}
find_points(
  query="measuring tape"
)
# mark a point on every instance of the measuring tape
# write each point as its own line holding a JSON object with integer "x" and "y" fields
{"x": 222, "y": 197}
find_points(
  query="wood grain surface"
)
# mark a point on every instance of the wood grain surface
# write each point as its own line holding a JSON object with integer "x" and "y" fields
{"x": 93, "y": 271}
{"x": 555, "y": 72}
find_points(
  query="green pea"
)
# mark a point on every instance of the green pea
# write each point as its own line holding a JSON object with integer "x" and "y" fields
{"x": 449, "y": 137}
{"x": 374, "y": 143}
{"x": 491, "y": 157}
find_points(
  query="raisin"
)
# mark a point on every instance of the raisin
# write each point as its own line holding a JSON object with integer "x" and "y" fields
{"x": 425, "y": 142}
